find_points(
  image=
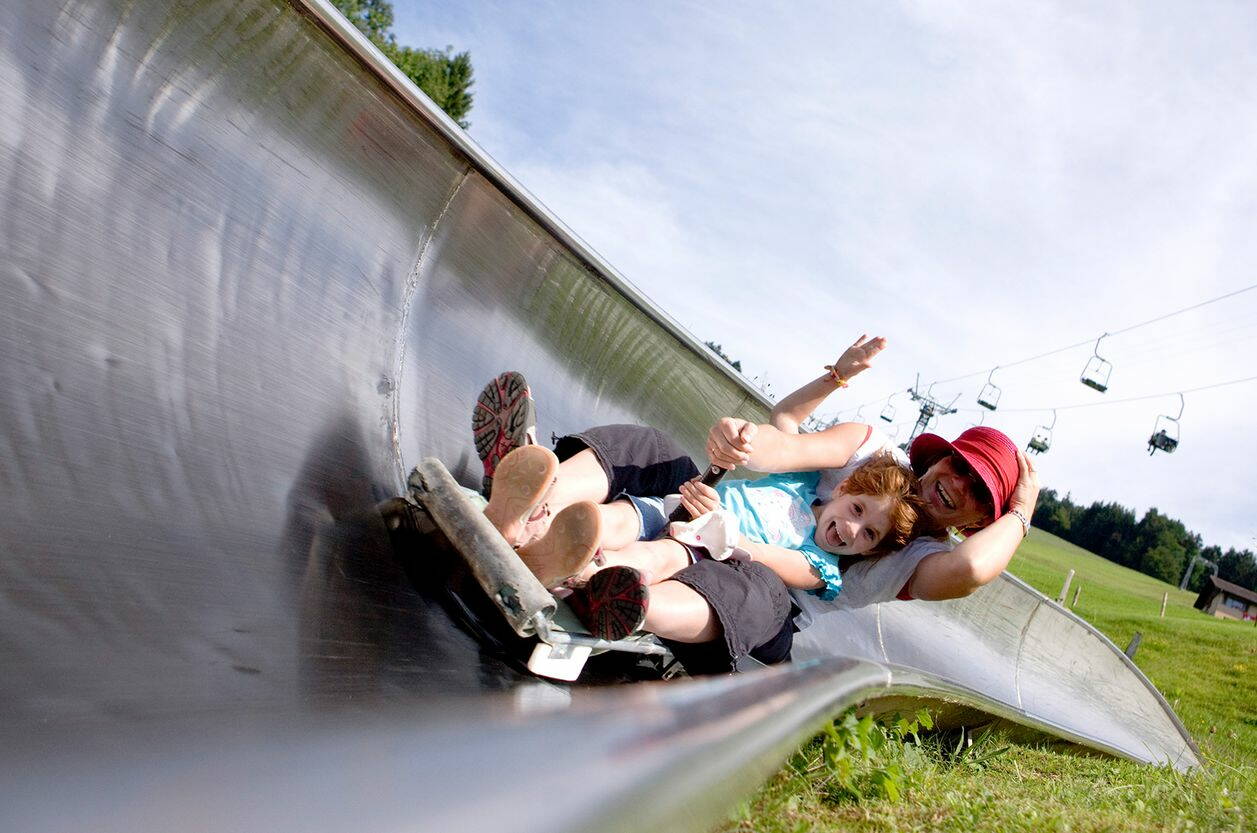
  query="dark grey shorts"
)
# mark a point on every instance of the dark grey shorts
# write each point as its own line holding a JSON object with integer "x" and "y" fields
{"x": 754, "y": 610}
{"x": 637, "y": 460}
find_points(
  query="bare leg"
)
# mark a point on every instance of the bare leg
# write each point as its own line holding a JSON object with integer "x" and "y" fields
{"x": 580, "y": 478}
{"x": 677, "y": 612}
{"x": 621, "y": 525}
{"x": 656, "y": 560}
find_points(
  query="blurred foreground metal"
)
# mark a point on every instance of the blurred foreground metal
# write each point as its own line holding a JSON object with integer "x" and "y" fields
{"x": 251, "y": 277}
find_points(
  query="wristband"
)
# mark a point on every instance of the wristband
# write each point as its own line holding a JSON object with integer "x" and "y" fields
{"x": 835, "y": 376}
{"x": 1025, "y": 522}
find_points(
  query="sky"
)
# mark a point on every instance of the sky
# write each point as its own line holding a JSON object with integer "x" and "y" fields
{"x": 980, "y": 183}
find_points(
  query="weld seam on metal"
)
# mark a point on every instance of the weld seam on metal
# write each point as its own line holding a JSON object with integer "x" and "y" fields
{"x": 399, "y": 342}
{"x": 1021, "y": 651}
{"x": 881, "y": 641}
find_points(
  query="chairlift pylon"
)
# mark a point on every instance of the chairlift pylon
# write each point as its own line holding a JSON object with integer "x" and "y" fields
{"x": 1041, "y": 440}
{"x": 989, "y": 396}
{"x": 1165, "y": 432}
{"x": 1095, "y": 374}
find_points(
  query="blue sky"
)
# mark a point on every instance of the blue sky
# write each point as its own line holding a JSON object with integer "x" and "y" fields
{"x": 978, "y": 182}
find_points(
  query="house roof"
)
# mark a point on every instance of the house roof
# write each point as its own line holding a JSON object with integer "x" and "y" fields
{"x": 1234, "y": 589}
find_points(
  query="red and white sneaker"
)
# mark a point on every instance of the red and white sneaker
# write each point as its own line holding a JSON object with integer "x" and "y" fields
{"x": 613, "y": 604}
{"x": 504, "y": 419}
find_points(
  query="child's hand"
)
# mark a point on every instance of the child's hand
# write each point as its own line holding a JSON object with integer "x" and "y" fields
{"x": 729, "y": 442}
{"x": 699, "y": 498}
{"x": 856, "y": 358}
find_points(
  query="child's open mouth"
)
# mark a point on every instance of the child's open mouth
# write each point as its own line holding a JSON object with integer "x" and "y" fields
{"x": 832, "y": 534}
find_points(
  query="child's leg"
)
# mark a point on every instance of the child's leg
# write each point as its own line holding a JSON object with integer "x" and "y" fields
{"x": 621, "y": 525}
{"x": 656, "y": 560}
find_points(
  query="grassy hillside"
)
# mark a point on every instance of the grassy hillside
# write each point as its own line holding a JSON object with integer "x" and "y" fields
{"x": 1205, "y": 667}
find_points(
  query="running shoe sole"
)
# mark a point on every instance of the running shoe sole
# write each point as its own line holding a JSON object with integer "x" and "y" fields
{"x": 504, "y": 419}
{"x": 613, "y": 604}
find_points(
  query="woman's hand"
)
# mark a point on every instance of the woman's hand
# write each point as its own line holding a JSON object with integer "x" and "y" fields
{"x": 729, "y": 442}
{"x": 699, "y": 498}
{"x": 1026, "y": 492}
{"x": 856, "y": 358}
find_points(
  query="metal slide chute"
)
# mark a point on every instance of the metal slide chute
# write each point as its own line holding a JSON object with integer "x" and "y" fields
{"x": 252, "y": 278}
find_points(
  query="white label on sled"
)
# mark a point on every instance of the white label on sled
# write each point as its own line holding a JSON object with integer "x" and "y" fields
{"x": 558, "y": 662}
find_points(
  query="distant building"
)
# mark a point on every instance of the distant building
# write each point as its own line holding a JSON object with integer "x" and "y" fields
{"x": 1227, "y": 600}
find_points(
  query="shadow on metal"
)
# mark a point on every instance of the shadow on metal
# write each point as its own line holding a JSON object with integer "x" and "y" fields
{"x": 250, "y": 278}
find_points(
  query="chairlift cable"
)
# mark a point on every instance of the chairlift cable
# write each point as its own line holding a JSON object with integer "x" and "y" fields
{"x": 1110, "y": 333}
{"x": 1114, "y": 401}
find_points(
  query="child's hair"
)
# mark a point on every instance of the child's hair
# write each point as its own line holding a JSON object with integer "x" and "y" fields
{"x": 883, "y": 476}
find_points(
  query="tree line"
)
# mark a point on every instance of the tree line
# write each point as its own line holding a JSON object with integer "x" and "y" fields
{"x": 443, "y": 75}
{"x": 1155, "y": 544}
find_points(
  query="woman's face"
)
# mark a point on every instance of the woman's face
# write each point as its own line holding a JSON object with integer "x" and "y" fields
{"x": 950, "y": 491}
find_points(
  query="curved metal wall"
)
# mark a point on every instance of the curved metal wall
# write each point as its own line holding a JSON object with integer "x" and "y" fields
{"x": 248, "y": 278}
{"x": 245, "y": 289}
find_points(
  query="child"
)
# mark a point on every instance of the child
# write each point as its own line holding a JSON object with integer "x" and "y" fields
{"x": 780, "y": 521}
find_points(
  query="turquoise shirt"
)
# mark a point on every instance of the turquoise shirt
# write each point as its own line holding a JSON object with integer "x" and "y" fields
{"x": 777, "y": 510}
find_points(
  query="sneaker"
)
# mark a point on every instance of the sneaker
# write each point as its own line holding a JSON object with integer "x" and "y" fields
{"x": 569, "y": 544}
{"x": 504, "y": 419}
{"x": 518, "y": 505}
{"x": 613, "y": 604}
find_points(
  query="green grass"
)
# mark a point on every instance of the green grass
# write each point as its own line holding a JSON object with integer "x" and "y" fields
{"x": 1205, "y": 667}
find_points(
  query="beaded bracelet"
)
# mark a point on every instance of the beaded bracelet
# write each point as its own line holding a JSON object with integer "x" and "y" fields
{"x": 835, "y": 376}
{"x": 1025, "y": 522}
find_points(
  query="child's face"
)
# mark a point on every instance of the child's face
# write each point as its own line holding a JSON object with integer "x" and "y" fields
{"x": 852, "y": 524}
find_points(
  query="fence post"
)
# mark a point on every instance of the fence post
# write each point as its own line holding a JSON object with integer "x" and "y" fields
{"x": 1134, "y": 645}
{"x": 1060, "y": 600}
{"x": 1077, "y": 593}
{"x": 1164, "y": 598}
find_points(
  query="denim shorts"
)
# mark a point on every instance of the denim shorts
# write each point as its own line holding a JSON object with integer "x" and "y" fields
{"x": 650, "y": 514}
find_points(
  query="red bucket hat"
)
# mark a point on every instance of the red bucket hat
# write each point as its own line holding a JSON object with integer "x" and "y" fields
{"x": 988, "y": 451}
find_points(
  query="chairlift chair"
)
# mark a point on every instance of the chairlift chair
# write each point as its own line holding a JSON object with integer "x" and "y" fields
{"x": 888, "y": 412}
{"x": 1165, "y": 432}
{"x": 989, "y": 396}
{"x": 1096, "y": 372}
{"x": 1041, "y": 440}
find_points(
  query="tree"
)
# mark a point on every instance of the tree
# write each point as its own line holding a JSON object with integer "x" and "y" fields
{"x": 715, "y": 348}
{"x": 444, "y": 76}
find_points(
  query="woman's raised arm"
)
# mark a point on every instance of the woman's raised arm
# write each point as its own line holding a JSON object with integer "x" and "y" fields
{"x": 793, "y": 411}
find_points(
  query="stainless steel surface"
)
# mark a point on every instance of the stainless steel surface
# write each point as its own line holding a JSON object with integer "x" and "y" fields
{"x": 249, "y": 279}
{"x": 1038, "y": 664}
